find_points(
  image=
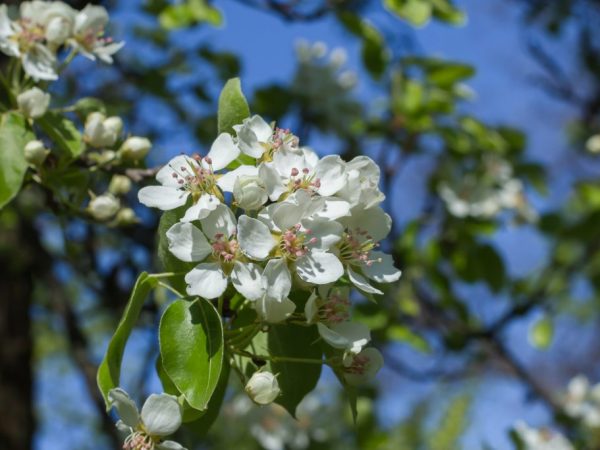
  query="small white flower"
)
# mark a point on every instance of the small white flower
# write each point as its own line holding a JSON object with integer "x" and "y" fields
{"x": 250, "y": 192}
{"x": 103, "y": 207}
{"x": 541, "y": 439}
{"x": 35, "y": 153}
{"x": 33, "y": 102}
{"x": 88, "y": 34}
{"x": 100, "y": 131}
{"x": 263, "y": 387}
{"x": 363, "y": 367}
{"x": 582, "y": 402}
{"x": 328, "y": 305}
{"x": 348, "y": 336}
{"x": 161, "y": 416}
{"x": 119, "y": 185}
{"x": 257, "y": 138}
{"x": 361, "y": 183}
{"x": 135, "y": 148}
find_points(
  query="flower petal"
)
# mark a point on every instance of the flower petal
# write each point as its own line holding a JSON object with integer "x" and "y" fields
{"x": 227, "y": 180}
{"x": 175, "y": 170}
{"x": 247, "y": 280}
{"x": 382, "y": 271}
{"x": 332, "y": 208}
{"x": 255, "y": 238}
{"x": 319, "y": 267}
{"x": 374, "y": 362}
{"x": 161, "y": 414}
{"x": 272, "y": 179}
{"x": 206, "y": 280}
{"x": 187, "y": 242}
{"x": 361, "y": 282}
{"x": 374, "y": 221}
{"x": 311, "y": 308}
{"x": 162, "y": 197}
{"x": 220, "y": 221}
{"x": 330, "y": 172}
{"x": 272, "y": 310}
{"x": 277, "y": 280}
{"x": 170, "y": 445}
{"x": 125, "y": 406}
{"x": 223, "y": 151}
{"x": 327, "y": 232}
{"x": 206, "y": 203}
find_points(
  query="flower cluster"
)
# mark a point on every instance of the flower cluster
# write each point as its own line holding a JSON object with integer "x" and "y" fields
{"x": 541, "y": 439}
{"x": 582, "y": 401}
{"x": 43, "y": 28}
{"x": 281, "y": 220}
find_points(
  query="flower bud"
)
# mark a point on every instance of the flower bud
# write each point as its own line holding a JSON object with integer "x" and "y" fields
{"x": 135, "y": 148}
{"x": 250, "y": 192}
{"x": 593, "y": 144}
{"x": 58, "y": 19}
{"x": 33, "y": 102}
{"x": 263, "y": 388}
{"x": 35, "y": 153}
{"x": 57, "y": 31}
{"x": 119, "y": 185}
{"x": 363, "y": 367}
{"x": 103, "y": 207}
{"x": 126, "y": 216}
{"x": 100, "y": 131}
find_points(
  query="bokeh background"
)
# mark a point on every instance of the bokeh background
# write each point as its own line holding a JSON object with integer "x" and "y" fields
{"x": 468, "y": 103}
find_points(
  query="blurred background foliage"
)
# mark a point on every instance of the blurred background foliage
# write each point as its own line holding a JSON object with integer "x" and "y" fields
{"x": 460, "y": 321}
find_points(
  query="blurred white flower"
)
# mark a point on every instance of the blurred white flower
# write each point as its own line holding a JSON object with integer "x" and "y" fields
{"x": 541, "y": 439}
{"x": 33, "y": 102}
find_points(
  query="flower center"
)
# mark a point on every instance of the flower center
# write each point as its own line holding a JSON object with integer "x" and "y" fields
{"x": 225, "y": 250}
{"x": 335, "y": 310}
{"x": 138, "y": 441}
{"x": 355, "y": 247}
{"x": 281, "y": 138}
{"x": 294, "y": 242}
{"x": 359, "y": 365}
{"x": 303, "y": 179}
{"x": 29, "y": 35}
{"x": 196, "y": 179}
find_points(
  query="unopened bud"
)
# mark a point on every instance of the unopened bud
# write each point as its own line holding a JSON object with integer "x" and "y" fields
{"x": 135, "y": 148}
{"x": 33, "y": 102}
{"x": 593, "y": 144}
{"x": 103, "y": 207}
{"x": 35, "y": 153}
{"x": 126, "y": 216}
{"x": 102, "y": 132}
{"x": 119, "y": 185}
{"x": 263, "y": 388}
{"x": 250, "y": 192}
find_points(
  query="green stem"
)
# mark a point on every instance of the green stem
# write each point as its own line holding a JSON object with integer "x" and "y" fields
{"x": 280, "y": 358}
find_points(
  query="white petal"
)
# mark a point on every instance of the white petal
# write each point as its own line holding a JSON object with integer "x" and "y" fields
{"x": 220, "y": 221}
{"x": 39, "y": 63}
{"x": 125, "y": 406}
{"x": 330, "y": 172}
{"x": 374, "y": 364}
{"x": 277, "y": 280}
{"x": 286, "y": 214}
{"x": 206, "y": 280}
{"x": 162, "y": 197}
{"x": 205, "y": 205}
{"x": 284, "y": 161}
{"x": 349, "y": 336}
{"x": 361, "y": 282}
{"x": 261, "y": 129}
{"x": 310, "y": 156}
{"x": 272, "y": 179}
{"x": 170, "y": 445}
{"x": 332, "y": 208}
{"x": 381, "y": 271}
{"x": 374, "y": 221}
{"x": 327, "y": 232}
{"x": 255, "y": 238}
{"x": 227, "y": 181}
{"x": 187, "y": 242}
{"x": 311, "y": 308}
{"x": 319, "y": 267}
{"x": 180, "y": 165}
{"x": 272, "y": 310}
{"x": 247, "y": 280}
{"x": 123, "y": 428}
{"x": 223, "y": 151}
{"x": 161, "y": 414}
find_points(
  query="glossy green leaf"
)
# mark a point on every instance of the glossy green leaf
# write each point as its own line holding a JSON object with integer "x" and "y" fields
{"x": 201, "y": 426}
{"x": 295, "y": 379}
{"x": 14, "y": 134}
{"x": 233, "y": 107}
{"x": 109, "y": 370}
{"x": 191, "y": 348}
{"x": 63, "y": 133}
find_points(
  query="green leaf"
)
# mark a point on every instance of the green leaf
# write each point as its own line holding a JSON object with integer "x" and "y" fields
{"x": 109, "y": 370}
{"x": 63, "y": 133}
{"x": 402, "y": 333}
{"x": 295, "y": 379}
{"x": 191, "y": 348}
{"x": 14, "y": 134}
{"x": 201, "y": 426}
{"x": 190, "y": 13}
{"x": 233, "y": 107}
{"x": 541, "y": 333}
{"x": 416, "y": 12}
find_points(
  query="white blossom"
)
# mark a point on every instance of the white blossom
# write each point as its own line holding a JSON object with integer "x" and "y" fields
{"x": 88, "y": 34}
{"x": 250, "y": 192}
{"x": 103, "y": 207}
{"x": 541, "y": 439}
{"x": 33, "y": 102}
{"x": 256, "y": 138}
{"x": 262, "y": 387}
{"x": 35, "y": 153}
{"x": 582, "y": 401}
{"x": 100, "y": 131}
{"x": 160, "y": 417}
{"x": 135, "y": 148}
{"x": 363, "y": 367}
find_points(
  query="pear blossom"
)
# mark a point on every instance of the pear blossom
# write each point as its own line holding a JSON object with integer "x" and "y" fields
{"x": 541, "y": 439}
{"x": 222, "y": 248}
{"x": 135, "y": 148}
{"x": 263, "y": 388}
{"x": 256, "y": 138}
{"x": 361, "y": 187}
{"x": 185, "y": 177}
{"x": 119, "y": 184}
{"x": 101, "y": 131}
{"x": 88, "y": 34}
{"x": 103, "y": 207}
{"x": 35, "y": 153}
{"x": 362, "y": 367}
{"x": 582, "y": 401}
{"x": 160, "y": 417}
{"x": 250, "y": 192}
{"x": 33, "y": 102}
